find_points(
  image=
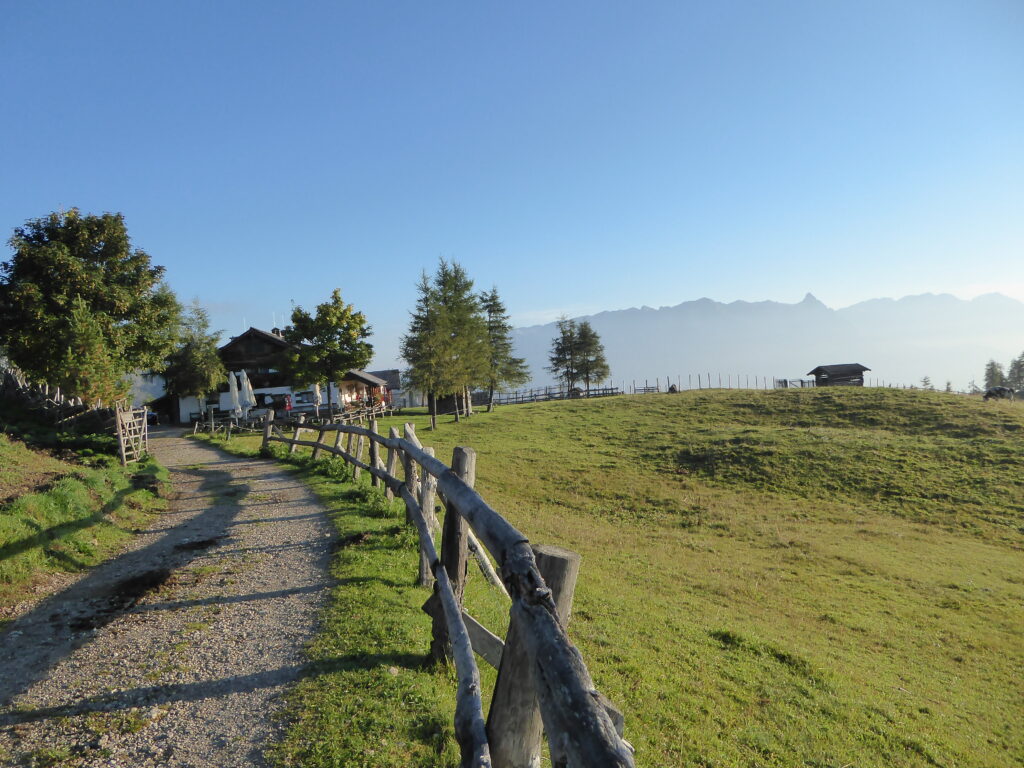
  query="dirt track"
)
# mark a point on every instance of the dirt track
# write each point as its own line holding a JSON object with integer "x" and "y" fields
{"x": 175, "y": 653}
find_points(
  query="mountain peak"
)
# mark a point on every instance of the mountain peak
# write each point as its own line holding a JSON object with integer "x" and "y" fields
{"x": 810, "y": 301}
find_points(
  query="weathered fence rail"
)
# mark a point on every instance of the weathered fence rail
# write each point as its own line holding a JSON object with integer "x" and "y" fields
{"x": 542, "y": 678}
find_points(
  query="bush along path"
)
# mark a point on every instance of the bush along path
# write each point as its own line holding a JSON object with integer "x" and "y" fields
{"x": 177, "y": 652}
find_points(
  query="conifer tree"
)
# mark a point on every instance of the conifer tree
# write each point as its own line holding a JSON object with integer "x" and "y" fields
{"x": 88, "y": 368}
{"x": 564, "y": 355}
{"x": 994, "y": 376}
{"x": 465, "y": 353}
{"x": 592, "y": 366}
{"x": 1015, "y": 373}
{"x": 194, "y": 369}
{"x": 422, "y": 347}
{"x": 446, "y": 346}
{"x": 503, "y": 369}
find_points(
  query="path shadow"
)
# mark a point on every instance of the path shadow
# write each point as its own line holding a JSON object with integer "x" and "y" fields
{"x": 155, "y": 695}
{"x": 31, "y": 645}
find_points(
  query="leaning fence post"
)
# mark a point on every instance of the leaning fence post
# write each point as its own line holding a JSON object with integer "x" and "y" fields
{"x": 298, "y": 429}
{"x": 374, "y": 454}
{"x": 514, "y": 727}
{"x": 392, "y": 464}
{"x": 319, "y": 441}
{"x": 427, "y": 490}
{"x": 268, "y": 426}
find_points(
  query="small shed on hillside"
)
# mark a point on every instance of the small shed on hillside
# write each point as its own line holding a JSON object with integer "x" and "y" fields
{"x": 843, "y": 375}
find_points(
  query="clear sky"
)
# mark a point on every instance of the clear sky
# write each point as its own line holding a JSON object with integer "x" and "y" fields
{"x": 579, "y": 155}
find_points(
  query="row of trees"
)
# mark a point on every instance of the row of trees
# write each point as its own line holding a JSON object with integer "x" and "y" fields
{"x": 577, "y": 354}
{"x": 1012, "y": 376}
{"x": 81, "y": 309}
{"x": 459, "y": 340}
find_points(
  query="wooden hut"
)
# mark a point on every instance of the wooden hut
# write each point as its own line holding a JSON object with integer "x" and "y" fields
{"x": 843, "y": 375}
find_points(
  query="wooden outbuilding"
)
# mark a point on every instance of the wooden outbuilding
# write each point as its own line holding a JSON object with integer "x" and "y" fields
{"x": 843, "y": 375}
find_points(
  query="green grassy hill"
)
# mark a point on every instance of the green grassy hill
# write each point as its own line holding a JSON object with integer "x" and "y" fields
{"x": 815, "y": 578}
{"x": 789, "y": 578}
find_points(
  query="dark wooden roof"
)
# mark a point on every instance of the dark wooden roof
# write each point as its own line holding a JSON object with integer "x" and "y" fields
{"x": 392, "y": 376}
{"x": 844, "y": 369}
{"x": 258, "y": 349}
{"x": 365, "y": 378}
{"x": 253, "y": 349}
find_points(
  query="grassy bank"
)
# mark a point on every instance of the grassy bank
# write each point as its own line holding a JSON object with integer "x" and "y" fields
{"x": 794, "y": 578}
{"x": 66, "y": 504}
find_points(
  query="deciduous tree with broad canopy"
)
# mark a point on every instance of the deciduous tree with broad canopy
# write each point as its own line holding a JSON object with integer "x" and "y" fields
{"x": 81, "y": 308}
{"x": 327, "y": 344}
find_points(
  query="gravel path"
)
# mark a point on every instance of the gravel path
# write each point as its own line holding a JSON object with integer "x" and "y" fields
{"x": 175, "y": 653}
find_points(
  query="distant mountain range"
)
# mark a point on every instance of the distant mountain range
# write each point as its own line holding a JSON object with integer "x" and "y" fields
{"x": 901, "y": 341}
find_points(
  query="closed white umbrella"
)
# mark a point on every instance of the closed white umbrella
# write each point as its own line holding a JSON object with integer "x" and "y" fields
{"x": 236, "y": 408}
{"x": 248, "y": 396}
{"x": 317, "y": 399}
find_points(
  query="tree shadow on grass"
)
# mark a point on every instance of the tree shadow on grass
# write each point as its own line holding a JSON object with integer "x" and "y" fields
{"x": 45, "y": 538}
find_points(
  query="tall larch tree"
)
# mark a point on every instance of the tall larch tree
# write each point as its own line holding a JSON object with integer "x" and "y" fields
{"x": 564, "y": 356}
{"x": 423, "y": 347}
{"x": 592, "y": 366}
{"x": 994, "y": 375}
{"x": 194, "y": 369}
{"x": 503, "y": 368}
{"x": 1015, "y": 373}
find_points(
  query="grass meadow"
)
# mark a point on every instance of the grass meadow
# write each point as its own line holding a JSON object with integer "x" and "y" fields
{"x": 820, "y": 578}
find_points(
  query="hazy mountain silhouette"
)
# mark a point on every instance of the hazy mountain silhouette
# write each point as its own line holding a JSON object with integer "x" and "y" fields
{"x": 902, "y": 340}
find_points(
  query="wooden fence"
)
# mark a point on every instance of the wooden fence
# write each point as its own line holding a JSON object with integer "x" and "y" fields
{"x": 542, "y": 394}
{"x": 543, "y": 683}
{"x": 51, "y": 404}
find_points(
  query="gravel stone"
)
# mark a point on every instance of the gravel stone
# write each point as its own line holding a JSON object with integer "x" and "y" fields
{"x": 177, "y": 652}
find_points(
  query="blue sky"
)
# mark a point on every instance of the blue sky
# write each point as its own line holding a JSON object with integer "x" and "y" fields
{"x": 581, "y": 156}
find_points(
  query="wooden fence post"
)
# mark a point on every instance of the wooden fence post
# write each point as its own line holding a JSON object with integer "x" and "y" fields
{"x": 356, "y": 469}
{"x": 374, "y": 454}
{"x": 514, "y": 727}
{"x": 427, "y": 492}
{"x": 411, "y": 477}
{"x": 121, "y": 438}
{"x": 392, "y": 465}
{"x": 454, "y": 550}
{"x": 319, "y": 440}
{"x": 268, "y": 426}
{"x": 298, "y": 429}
